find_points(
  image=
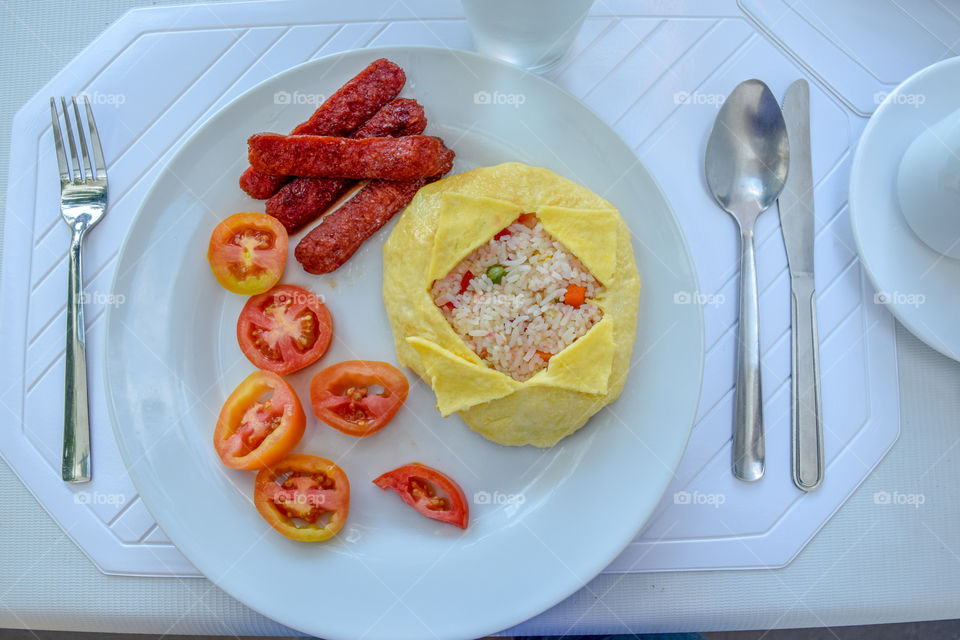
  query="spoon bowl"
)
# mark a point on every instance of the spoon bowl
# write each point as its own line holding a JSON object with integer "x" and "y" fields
{"x": 747, "y": 159}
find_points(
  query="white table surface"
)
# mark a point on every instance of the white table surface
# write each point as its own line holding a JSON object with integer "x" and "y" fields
{"x": 871, "y": 563}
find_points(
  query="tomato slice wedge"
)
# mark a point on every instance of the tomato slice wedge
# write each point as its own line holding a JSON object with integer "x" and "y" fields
{"x": 303, "y": 497}
{"x": 261, "y": 421}
{"x": 284, "y": 329}
{"x": 247, "y": 252}
{"x": 417, "y": 484}
{"x": 343, "y": 397}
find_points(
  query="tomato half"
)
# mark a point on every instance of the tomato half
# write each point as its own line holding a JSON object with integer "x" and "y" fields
{"x": 284, "y": 329}
{"x": 247, "y": 252}
{"x": 417, "y": 485}
{"x": 303, "y": 497}
{"x": 342, "y": 397}
{"x": 260, "y": 422}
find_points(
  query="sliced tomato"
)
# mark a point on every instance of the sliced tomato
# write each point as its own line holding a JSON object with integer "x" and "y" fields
{"x": 344, "y": 398}
{"x": 260, "y": 422}
{"x": 247, "y": 252}
{"x": 303, "y": 497}
{"x": 432, "y": 493}
{"x": 284, "y": 329}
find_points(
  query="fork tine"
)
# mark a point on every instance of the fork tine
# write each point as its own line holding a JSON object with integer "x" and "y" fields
{"x": 74, "y": 160}
{"x": 88, "y": 171}
{"x": 58, "y": 143}
{"x": 100, "y": 165}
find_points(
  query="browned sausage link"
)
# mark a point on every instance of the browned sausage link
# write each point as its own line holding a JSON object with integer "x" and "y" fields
{"x": 259, "y": 185}
{"x": 402, "y": 117}
{"x": 356, "y": 101}
{"x": 398, "y": 159}
{"x": 333, "y": 241}
{"x": 303, "y": 200}
{"x": 340, "y": 234}
{"x": 346, "y": 110}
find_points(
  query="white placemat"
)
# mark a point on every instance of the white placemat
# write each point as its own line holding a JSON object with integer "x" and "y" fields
{"x": 156, "y": 74}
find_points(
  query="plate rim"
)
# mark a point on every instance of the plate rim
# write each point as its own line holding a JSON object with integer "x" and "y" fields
{"x": 877, "y": 120}
{"x": 547, "y": 598}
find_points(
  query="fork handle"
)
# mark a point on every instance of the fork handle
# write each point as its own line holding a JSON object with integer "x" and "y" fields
{"x": 76, "y": 420}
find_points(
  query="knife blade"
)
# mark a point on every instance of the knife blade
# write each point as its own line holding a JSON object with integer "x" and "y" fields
{"x": 797, "y": 225}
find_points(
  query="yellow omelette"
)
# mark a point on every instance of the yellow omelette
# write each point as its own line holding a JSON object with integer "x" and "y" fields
{"x": 444, "y": 223}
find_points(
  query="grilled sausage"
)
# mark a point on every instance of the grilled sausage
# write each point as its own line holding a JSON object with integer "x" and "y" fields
{"x": 340, "y": 234}
{"x": 303, "y": 200}
{"x": 308, "y": 156}
{"x": 340, "y": 114}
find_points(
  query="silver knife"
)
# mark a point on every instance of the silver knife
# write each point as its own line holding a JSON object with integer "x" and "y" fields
{"x": 797, "y": 225}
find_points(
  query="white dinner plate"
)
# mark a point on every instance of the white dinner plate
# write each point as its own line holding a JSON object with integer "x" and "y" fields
{"x": 543, "y": 522}
{"x": 920, "y": 286}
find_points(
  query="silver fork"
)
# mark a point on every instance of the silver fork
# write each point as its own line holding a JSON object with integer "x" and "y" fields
{"x": 83, "y": 202}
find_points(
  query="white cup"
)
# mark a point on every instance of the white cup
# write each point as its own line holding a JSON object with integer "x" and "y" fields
{"x": 928, "y": 186}
{"x": 532, "y": 34}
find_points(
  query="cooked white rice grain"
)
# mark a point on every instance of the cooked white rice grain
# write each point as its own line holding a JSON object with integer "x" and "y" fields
{"x": 510, "y": 324}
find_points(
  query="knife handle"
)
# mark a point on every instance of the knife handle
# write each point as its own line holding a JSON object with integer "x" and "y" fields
{"x": 748, "y": 445}
{"x": 806, "y": 416}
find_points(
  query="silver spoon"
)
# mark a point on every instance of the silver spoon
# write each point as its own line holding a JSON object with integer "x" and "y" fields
{"x": 746, "y": 163}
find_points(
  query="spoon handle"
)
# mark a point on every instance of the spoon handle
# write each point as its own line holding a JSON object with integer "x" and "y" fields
{"x": 748, "y": 446}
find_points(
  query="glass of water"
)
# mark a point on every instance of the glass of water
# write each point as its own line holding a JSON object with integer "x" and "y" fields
{"x": 532, "y": 34}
